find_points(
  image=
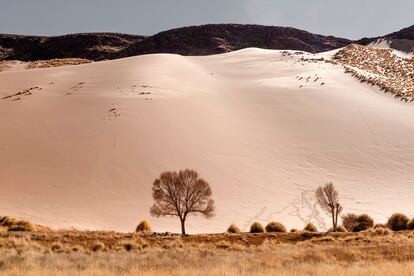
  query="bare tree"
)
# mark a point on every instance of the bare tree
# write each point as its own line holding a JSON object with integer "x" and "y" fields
{"x": 327, "y": 198}
{"x": 181, "y": 194}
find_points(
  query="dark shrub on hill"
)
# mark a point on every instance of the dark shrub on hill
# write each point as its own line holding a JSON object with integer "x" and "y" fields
{"x": 349, "y": 221}
{"x": 22, "y": 226}
{"x": 363, "y": 222}
{"x": 275, "y": 227}
{"x": 256, "y": 227}
{"x": 233, "y": 229}
{"x": 410, "y": 224}
{"x": 398, "y": 222}
{"x": 143, "y": 226}
{"x": 310, "y": 228}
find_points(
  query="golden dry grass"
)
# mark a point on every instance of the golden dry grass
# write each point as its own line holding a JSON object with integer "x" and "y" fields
{"x": 374, "y": 252}
{"x": 11, "y": 224}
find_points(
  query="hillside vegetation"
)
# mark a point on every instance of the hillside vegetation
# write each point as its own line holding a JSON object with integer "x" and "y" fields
{"x": 381, "y": 67}
{"x": 195, "y": 40}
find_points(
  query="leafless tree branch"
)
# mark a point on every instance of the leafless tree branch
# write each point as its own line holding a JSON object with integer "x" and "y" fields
{"x": 181, "y": 194}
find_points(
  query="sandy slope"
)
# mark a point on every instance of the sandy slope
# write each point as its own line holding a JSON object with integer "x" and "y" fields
{"x": 67, "y": 158}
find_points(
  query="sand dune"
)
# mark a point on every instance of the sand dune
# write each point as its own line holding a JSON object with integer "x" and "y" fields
{"x": 81, "y": 145}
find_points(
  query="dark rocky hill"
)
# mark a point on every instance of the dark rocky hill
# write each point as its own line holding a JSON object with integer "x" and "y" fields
{"x": 195, "y": 40}
{"x": 221, "y": 38}
{"x": 407, "y": 33}
{"x": 92, "y": 46}
{"x": 402, "y": 40}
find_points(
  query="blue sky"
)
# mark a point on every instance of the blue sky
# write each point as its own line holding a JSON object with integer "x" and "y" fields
{"x": 345, "y": 18}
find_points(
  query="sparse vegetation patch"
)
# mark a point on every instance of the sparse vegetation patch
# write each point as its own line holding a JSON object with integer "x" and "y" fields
{"x": 380, "y": 67}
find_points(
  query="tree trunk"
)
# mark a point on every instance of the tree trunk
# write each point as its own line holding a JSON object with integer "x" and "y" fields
{"x": 333, "y": 221}
{"x": 336, "y": 217}
{"x": 182, "y": 226}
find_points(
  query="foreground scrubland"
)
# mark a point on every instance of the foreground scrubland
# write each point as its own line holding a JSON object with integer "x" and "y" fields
{"x": 374, "y": 252}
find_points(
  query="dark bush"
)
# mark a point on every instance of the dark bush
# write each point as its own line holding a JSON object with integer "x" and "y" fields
{"x": 310, "y": 228}
{"x": 275, "y": 227}
{"x": 21, "y": 226}
{"x": 7, "y": 221}
{"x": 233, "y": 229}
{"x": 349, "y": 221}
{"x": 256, "y": 227}
{"x": 143, "y": 226}
{"x": 363, "y": 222}
{"x": 398, "y": 222}
{"x": 410, "y": 225}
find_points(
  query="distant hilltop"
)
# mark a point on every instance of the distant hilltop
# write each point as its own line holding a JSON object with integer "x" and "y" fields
{"x": 402, "y": 40}
{"x": 194, "y": 40}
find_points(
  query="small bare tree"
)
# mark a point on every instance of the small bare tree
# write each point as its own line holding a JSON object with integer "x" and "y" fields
{"x": 327, "y": 198}
{"x": 181, "y": 194}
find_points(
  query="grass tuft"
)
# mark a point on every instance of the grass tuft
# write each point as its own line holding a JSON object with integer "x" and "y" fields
{"x": 256, "y": 227}
{"x": 233, "y": 229}
{"x": 310, "y": 228}
{"x": 143, "y": 226}
{"x": 275, "y": 227}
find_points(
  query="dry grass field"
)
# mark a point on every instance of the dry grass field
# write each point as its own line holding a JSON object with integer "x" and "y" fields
{"x": 71, "y": 252}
